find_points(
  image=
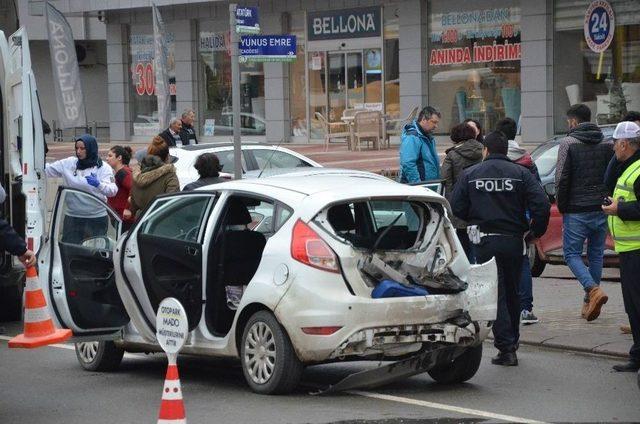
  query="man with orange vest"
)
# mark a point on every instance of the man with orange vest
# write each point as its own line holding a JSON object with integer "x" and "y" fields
{"x": 623, "y": 209}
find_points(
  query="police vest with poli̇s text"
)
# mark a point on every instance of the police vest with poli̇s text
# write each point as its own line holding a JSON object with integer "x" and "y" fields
{"x": 626, "y": 234}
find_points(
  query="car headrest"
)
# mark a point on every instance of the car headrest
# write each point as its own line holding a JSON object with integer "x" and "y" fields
{"x": 238, "y": 214}
{"x": 341, "y": 218}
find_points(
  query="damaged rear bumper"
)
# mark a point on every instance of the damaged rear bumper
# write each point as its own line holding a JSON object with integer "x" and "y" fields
{"x": 390, "y": 326}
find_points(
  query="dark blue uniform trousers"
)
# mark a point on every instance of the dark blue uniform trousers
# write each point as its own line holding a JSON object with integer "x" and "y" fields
{"x": 508, "y": 253}
{"x": 629, "y": 271}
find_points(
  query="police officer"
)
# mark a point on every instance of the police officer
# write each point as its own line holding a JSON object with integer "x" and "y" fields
{"x": 624, "y": 224}
{"x": 493, "y": 197}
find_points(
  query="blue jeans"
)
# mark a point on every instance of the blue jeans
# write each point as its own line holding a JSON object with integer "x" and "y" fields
{"x": 525, "y": 289}
{"x": 576, "y": 229}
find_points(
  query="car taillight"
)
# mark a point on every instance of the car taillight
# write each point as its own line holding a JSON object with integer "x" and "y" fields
{"x": 308, "y": 248}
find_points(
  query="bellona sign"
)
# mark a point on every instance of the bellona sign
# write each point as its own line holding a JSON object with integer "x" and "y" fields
{"x": 346, "y": 23}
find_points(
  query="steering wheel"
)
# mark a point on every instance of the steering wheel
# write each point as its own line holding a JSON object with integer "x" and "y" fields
{"x": 192, "y": 234}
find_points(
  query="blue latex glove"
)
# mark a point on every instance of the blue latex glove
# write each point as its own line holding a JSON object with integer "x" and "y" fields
{"x": 93, "y": 180}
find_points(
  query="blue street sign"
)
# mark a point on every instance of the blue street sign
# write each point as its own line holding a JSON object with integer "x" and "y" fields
{"x": 267, "y": 48}
{"x": 599, "y": 25}
{"x": 247, "y": 20}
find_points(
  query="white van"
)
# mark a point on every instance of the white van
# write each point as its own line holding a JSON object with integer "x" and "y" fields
{"x": 22, "y": 166}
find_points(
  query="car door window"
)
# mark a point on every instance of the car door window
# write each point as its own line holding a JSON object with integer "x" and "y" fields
{"x": 85, "y": 222}
{"x": 226, "y": 161}
{"x": 179, "y": 218}
{"x": 262, "y": 218}
{"x": 267, "y": 159}
{"x": 546, "y": 159}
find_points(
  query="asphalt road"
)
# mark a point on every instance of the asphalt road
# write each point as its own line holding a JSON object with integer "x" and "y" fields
{"x": 48, "y": 386}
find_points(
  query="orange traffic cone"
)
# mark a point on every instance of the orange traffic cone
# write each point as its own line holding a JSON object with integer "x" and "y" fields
{"x": 38, "y": 326}
{"x": 172, "y": 407}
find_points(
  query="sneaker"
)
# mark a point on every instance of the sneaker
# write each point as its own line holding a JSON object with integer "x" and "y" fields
{"x": 528, "y": 318}
{"x": 625, "y": 329}
{"x": 597, "y": 298}
{"x": 507, "y": 359}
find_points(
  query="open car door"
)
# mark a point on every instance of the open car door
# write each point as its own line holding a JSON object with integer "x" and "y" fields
{"x": 81, "y": 285}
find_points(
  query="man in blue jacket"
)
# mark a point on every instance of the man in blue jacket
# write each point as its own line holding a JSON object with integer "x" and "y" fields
{"x": 418, "y": 156}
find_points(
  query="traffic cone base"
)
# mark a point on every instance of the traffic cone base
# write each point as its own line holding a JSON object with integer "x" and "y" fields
{"x": 172, "y": 406}
{"x": 38, "y": 326}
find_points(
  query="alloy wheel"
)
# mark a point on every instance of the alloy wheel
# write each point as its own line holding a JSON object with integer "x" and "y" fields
{"x": 87, "y": 351}
{"x": 260, "y": 352}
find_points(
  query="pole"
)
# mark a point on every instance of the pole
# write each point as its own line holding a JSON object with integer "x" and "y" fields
{"x": 235, "y": 97}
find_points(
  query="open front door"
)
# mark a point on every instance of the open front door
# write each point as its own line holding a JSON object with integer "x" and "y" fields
{"x": 81, "y": 279}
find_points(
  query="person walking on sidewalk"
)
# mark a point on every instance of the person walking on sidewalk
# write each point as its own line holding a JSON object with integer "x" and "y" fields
{"x": 493, "y": 197}
{"x": 583, "y": 158}
{"x": 466, "y": 151}
{"x": 418, "y": 155}
{"x": 517, "y": 154}
{"x": 624, "y": 223}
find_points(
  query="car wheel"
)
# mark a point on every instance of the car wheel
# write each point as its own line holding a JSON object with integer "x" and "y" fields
{"x": 269, "y": 362}
{"x": 536, "y": 263}
{"x": 460, "y": 369}
{"x": 99, "y": 356}
{"x": 11, "y": 303}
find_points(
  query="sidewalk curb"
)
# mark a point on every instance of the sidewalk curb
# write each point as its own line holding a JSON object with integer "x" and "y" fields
{"x": 572, "y": 349}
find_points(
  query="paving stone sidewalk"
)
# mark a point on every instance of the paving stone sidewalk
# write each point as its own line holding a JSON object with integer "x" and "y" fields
{"x": 557, "y": 298}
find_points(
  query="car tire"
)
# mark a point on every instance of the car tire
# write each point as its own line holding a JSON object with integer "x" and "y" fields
{"x": 99, "y": 356}
{"x": 536, "y": 262}
{"x": 269, "y": 362}
{"x": 461, "y": 369}
{"x": 11, "y": 303}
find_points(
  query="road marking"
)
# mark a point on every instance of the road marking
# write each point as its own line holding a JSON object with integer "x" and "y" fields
{"x": 445, "y": 407}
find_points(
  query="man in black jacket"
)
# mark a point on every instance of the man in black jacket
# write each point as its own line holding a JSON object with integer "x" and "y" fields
{"x": 11, "y": 242}
{"x": 187, "y": 132}
{"x": 172, "y": 134}
{"x": 493, "y": 197}
{"x": 583, "y": 157}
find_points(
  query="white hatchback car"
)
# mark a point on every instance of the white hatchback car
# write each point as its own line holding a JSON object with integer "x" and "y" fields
{"x": 279, "y": 272}
{"x": 256, "y": 157}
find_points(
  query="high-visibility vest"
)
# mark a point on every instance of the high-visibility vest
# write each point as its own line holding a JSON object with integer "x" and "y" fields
{"x": 626, "y": 234}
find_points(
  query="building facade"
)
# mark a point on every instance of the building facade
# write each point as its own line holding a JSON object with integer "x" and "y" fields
{"x": 481, "y": 59}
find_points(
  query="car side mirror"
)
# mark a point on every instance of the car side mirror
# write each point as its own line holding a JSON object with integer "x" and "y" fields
{"x": 550, "y": 189}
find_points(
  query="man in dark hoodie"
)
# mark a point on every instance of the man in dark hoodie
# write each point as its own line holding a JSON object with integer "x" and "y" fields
{"x": 582, "y": 161}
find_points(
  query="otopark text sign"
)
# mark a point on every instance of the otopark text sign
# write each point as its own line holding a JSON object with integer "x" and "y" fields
{"x": 599, "y": 25}
{"x": 172, "y": 327}
{"x": 247, "y": 20}
{"x": 268, "y": 48}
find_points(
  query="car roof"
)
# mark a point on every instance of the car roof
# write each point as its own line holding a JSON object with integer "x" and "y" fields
{"x": 310, "y": 171}
{"x": 205, "y": 146}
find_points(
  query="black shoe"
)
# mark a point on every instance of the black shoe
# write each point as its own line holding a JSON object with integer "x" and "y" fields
{"x": 631, "y": 366}
{"x": 508, "y": 359}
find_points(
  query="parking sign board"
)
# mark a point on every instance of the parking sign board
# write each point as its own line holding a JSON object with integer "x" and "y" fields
{"x": 599, "y": 25}
{"x": 172, "y": 327}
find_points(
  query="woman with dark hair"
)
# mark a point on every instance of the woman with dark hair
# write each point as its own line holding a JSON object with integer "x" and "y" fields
{"x": 477, "y": 128}
{"x": 118, "y": 158}
{"x": 466, "y": 151}
{"x": 208, "y": 167}
{"x": 156, "y": 176}
{"x": 86, "y": 172}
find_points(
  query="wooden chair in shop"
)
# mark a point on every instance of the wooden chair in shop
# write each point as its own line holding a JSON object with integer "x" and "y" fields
{"x": 394, "y": 126}
{"x": 333, "y": 130}
{"x": 367, "y": 126}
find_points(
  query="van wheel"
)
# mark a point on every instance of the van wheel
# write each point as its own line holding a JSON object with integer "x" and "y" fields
{"x": 99, "y": 356}
{"x": 536, "y": 263}
{"x": 461, "y": 369}
{"x": 269, "y": 362}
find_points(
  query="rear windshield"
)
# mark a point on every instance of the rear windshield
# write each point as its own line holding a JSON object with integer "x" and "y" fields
{"x": 380, "y": 224}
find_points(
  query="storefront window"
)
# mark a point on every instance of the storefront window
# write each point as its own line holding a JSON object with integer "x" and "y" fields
{"x": 609, "y": 83}
{"x": 474, "y": 61}
{"x": 297, "y": 82}
{"x": 391, "y": 62}
{"x": 145, "y": 103}
{"x": 216, "y": 93}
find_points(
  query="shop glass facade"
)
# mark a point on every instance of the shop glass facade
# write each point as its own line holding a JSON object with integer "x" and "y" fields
{"x": 297, "y": 79}
{"x": 215, "y": 93}
{"x": 609, "y": 83}
{"x": 144, "y": 104}
{"x": 473, "y": 58}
